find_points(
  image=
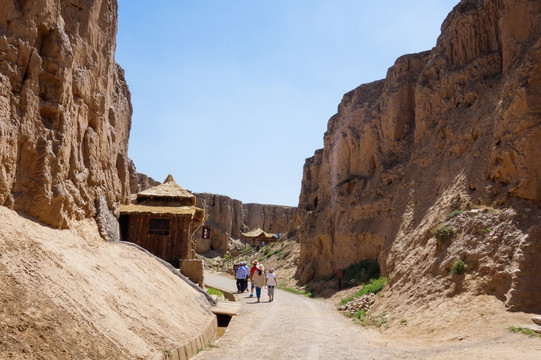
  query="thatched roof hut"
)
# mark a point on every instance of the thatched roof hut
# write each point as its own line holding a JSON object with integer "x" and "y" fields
{"x": 257, "y": 236}
{"x": 163, "y": 220}
{"x": 169, "y": 194}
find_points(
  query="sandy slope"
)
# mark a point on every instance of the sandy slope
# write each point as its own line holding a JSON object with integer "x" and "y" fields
{"x": 70, "y": 295}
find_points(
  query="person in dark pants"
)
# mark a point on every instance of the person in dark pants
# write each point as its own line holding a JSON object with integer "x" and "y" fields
{"x": 339, "y": 276}
{"x": 241, "y": 277}
{"x": 247, "y": 273}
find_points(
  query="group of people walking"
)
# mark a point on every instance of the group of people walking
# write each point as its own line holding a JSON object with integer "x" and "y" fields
{"x": 258, "y": 277}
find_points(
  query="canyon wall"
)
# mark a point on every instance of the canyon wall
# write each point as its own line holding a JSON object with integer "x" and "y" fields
{"x": 64, "y": 110}
{"x": 229, "y": 217}
{"x": 457, "y": 128}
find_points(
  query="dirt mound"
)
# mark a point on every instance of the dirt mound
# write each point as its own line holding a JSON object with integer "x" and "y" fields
{"x": 67, "y": 294}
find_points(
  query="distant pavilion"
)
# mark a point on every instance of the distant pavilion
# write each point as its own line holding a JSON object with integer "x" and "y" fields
{"x": 257, "y": 236}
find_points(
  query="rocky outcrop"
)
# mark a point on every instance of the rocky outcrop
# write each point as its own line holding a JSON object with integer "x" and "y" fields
{"x": 228, "y": 218}
{"x": 139, "y": 181}
{"x": 454, "y": 128}
{"x": 64, "y": 109}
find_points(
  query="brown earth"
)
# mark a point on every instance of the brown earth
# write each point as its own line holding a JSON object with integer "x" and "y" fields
{"x": 65, "y": 110}
{"x": 67, "y": 294}
{"x": 456, "y": 128}
{"x": 294, "y": 326}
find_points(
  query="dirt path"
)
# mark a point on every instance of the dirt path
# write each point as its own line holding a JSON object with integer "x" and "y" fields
{"x": 292, "y": 326}
{"x": 297, "y": 327}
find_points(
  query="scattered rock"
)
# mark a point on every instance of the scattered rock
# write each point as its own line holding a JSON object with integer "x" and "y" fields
{"x": 361, "y": 303}
{"x": 536, "y": 320}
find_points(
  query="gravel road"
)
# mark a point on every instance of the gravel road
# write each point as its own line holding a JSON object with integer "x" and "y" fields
{"x": 291, "y": 327}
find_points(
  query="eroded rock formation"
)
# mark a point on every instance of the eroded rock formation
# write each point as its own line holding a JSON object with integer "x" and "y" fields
{"x": 454, "y": 128}
{"x": 64, "y": 109}
{"x": 228, "y": 218}
{"x": 139, "y": 181}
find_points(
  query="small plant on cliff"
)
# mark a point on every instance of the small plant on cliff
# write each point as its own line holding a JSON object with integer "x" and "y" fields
{"x": 444, "y": 233}
{"x": 381, "y": 320}
{"x": 458, "y": 267}
{"x": 486, "y": 230}
{"x": 454, "y": 213}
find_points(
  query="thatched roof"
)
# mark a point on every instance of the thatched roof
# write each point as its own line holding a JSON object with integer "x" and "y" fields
{"x": 257, "y": 233}
{"x": 169, "y": 190}
{"x": 194, "y": 212}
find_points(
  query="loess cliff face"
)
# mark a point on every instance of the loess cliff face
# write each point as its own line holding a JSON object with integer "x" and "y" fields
{"x": 64, "y": 109}
{"x": 454, "y": 128}
{"x": 229, "y": 217}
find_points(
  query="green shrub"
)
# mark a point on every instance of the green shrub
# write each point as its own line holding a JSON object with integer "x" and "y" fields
{"x": 381, "y": 319}
{"x": 360, "y": 273}
{"x": 444, "y": 233}
{"x": 374, "y": 286}
{"x": 344, "y": 301}
{"x": 454, "y": 213}
{"x": 525, "y": 331}
{"x": 360, "y": 314}
{"x": 213, "y": 291}
{"x": 458, "y": 267}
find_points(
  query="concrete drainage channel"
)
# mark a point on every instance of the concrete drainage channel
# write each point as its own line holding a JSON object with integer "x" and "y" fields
{"x": 224, "y": 311}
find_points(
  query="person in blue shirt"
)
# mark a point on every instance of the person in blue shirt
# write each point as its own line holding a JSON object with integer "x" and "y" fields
{"x": 240, "y": 276}
{"x": 247, "y": 276}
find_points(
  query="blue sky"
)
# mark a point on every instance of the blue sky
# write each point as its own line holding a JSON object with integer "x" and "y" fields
{"x": 231, "y": 97}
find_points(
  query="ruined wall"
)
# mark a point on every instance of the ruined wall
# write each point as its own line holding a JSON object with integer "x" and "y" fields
{"x": 64, "y": 109}
{"x": 455, "y": 128}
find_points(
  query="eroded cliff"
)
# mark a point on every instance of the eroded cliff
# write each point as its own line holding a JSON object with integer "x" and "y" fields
{"x": 229, "y": 217}
{"x": 64, "y": 110}
{"x": 457, "y": 128}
